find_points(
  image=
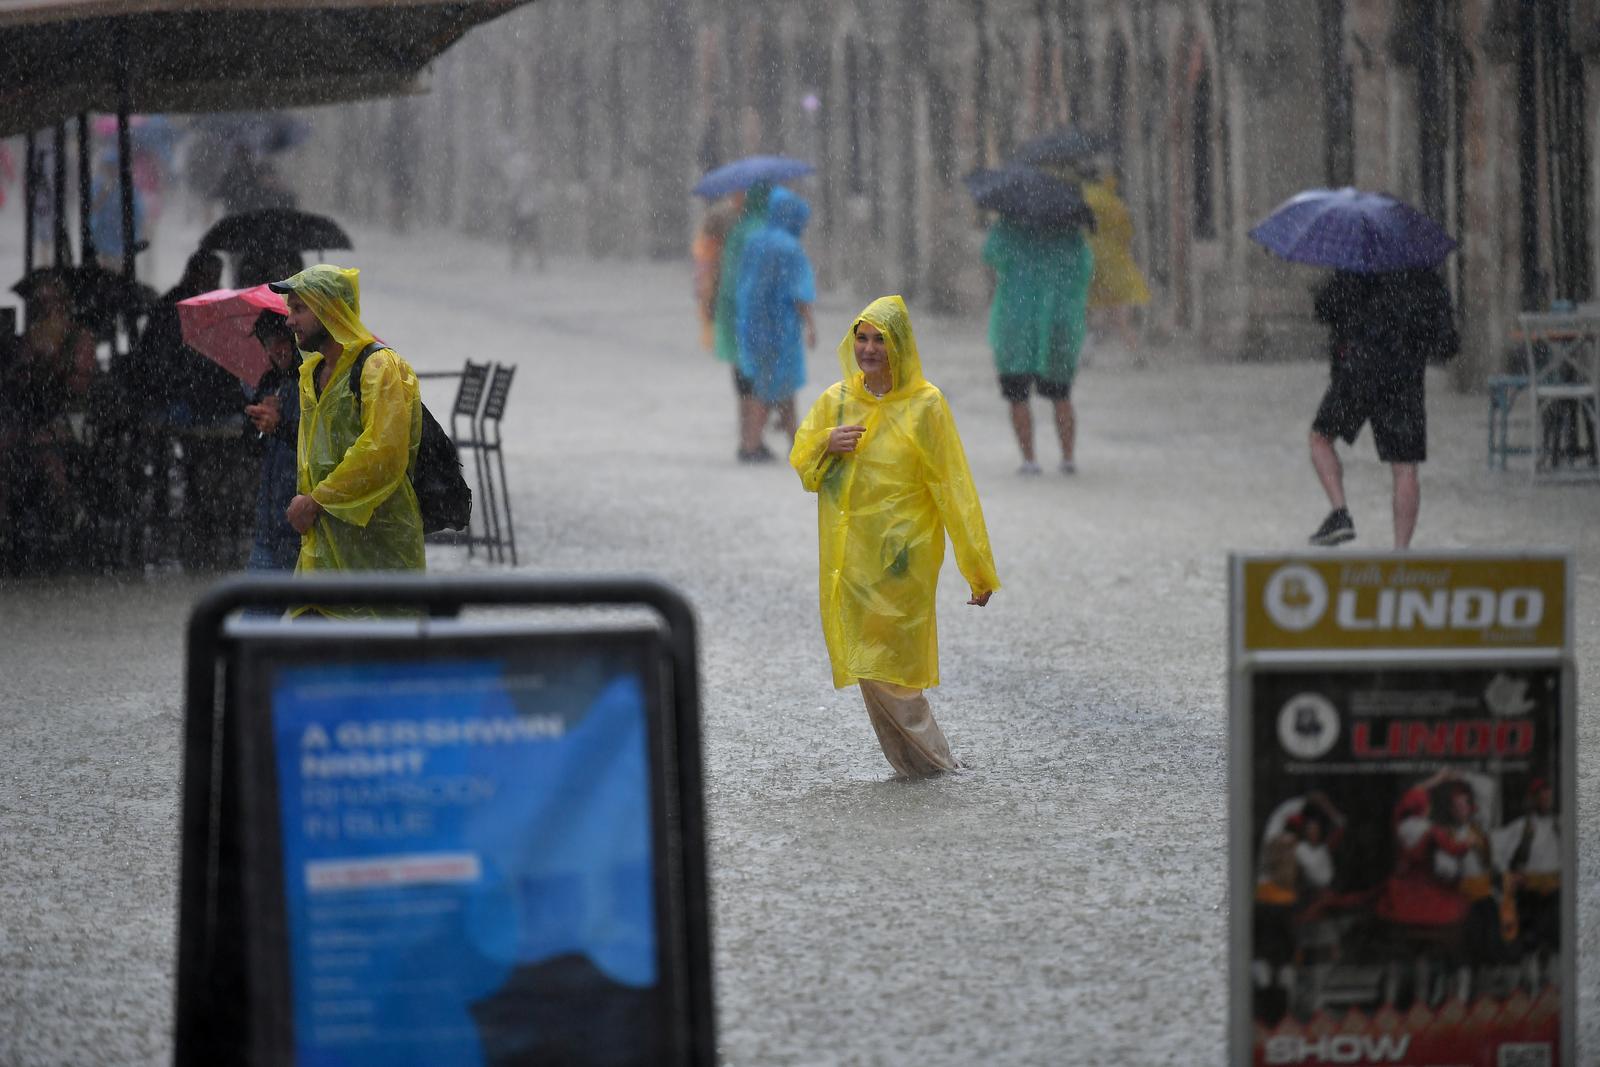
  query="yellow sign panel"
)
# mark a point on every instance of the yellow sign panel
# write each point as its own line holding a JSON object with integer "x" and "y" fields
{"x": 1388, "y": 602}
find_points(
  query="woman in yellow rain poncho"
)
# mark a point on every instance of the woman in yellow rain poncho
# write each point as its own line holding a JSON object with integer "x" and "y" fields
{"x": 1118, "y": 285}
{"x": 881, "y": 452}
{"x": 356, "y": 510}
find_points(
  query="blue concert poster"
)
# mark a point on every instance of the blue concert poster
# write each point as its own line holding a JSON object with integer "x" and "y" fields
{"x": 467, "y": 860}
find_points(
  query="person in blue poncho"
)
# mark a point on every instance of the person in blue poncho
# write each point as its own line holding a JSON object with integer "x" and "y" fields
{"x": 776, "y": 289}
{"x": 724, "y": 323}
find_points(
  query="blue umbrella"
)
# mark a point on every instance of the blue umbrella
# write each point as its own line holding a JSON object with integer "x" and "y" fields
{"x": 1347, "y": 229}
{"x": 1030, "y": 196}
{"x": 743, "y": 173}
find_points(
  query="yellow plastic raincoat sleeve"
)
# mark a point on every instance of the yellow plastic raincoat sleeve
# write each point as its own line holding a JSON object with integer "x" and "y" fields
{"x": 376, "y": 464}
{"x": 809, "y": 456}
{"x": 950, "y": 484}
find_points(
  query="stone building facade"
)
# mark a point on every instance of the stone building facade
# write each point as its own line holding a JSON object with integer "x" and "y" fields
{"x": 1214, "y": 112}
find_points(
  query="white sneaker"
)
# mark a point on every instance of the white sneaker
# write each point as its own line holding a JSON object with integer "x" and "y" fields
{"x": 1029, "y": 467}
{"x": 1068, "y": 467}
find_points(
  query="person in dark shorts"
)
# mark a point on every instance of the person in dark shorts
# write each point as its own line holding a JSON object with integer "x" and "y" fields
{"x": 1384, "y": 329}
{"x": 1016, "y": 388}
{"x": 1036, "y": 325}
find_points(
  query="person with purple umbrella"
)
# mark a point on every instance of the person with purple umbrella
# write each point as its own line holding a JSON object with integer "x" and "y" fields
{"x": 1388, "y": 315}
{"x": 1383, "y": 330}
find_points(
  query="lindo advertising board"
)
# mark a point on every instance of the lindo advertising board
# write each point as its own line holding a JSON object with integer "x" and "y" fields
{"x": 1401, "y": 758}
{"x": 1337, "y": 604}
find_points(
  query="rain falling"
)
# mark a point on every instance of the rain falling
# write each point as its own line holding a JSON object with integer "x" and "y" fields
{"x": 937, "y": 353}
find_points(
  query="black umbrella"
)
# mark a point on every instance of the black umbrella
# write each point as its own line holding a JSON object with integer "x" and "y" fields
{"x": 274, "y": 228}
{"x": 1068, "y": 146}
{"x": 1030, "y": 196}
{"x": 97, "y": 295}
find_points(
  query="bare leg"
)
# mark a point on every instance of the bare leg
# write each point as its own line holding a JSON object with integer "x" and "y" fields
{"x": 1129, "y": 328}
{"x": 1022, "y": 423}
{"x": 1329, "y": 470}
{"x": 1066, "y": 427}
{"x": 752, "y": 418}
{"x": 1407, "y": 502}
{"x": 786, "y": 421}
{"x": 1123, "y": 315}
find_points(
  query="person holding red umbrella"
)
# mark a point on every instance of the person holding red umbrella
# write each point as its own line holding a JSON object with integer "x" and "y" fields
{"x": 276, "y": 417}
{"x": 245, "y": 333}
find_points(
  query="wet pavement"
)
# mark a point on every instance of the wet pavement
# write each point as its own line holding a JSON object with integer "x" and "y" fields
{"x": 1064, "y": 902}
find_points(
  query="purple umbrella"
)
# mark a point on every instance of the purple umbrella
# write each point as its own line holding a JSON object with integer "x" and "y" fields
{"x": 1347, "y": 229}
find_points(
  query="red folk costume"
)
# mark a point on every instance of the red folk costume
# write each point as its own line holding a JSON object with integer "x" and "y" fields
{"x": 1413, "y": 895}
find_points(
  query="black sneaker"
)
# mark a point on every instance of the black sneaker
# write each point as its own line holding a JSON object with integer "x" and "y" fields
{"x": 1336, "y": 529}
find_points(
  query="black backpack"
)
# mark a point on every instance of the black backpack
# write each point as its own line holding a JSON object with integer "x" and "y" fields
{"x": 442, "y": 492}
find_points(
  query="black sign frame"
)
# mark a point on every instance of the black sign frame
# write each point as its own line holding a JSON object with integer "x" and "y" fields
{"x": 215, "y": 999}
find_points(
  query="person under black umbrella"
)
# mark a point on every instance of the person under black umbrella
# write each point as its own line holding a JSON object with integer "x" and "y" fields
{"x": 1043, "y": 268}
{"x": 198, "y": 402}
{"x": 161, "y": 372}
{"x": 1037, "y": 325}
{"x": 50, "y": 372}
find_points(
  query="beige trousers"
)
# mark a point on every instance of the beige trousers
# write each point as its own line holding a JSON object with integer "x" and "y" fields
{"x": 911, "y": 740}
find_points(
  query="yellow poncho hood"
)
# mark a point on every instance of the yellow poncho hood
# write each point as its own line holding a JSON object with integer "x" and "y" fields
{"x": 355, "y": 457}
{"x": 884, "y": 510}
{"x": 334, "y": 295}
{"x": 893, "y": 319}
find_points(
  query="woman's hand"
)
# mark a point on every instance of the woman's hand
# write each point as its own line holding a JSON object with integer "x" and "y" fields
{"x": 980, "y": 599}
{"x": 843, "y": 439}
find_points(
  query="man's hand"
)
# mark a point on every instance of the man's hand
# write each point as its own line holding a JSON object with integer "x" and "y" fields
{"x": 980, "y": 599}
{"x": 811, "y": 336}
{"x": 843, "y": 439}
{"x": 303, "y": 511}
{"x": 266, "y": 415}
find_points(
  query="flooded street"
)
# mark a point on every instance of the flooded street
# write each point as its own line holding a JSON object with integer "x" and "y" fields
{"x": 1064, "y": 901}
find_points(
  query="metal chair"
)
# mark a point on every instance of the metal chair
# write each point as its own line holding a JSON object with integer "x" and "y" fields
{"x": 469, "y": 400}
{"x": 494, "y": 409}
{"x": 1504, "y": 389}
{"x": 1562, "y": 351}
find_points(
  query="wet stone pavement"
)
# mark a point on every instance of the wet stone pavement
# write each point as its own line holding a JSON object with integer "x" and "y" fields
{"x": 1063, "y": 902}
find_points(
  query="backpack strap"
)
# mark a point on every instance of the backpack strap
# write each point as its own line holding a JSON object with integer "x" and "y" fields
{"x": 358, "y": 365}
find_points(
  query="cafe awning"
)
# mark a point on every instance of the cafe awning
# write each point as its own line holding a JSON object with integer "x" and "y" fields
{"x": 64, "y": 57}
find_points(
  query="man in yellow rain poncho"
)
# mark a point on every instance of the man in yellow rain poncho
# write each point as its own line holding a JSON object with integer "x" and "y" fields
{"x": 356, "y": 510}
{"x": 881, "y": 452}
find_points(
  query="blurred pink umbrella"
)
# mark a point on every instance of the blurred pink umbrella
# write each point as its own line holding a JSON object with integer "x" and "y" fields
{"x": 218, "y": 325}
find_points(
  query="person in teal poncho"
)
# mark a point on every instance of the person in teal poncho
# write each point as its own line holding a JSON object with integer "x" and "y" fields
{"x": 751, "y": 218}
{"x": 776, "y": 291}
{"x": 1036, "y": 324}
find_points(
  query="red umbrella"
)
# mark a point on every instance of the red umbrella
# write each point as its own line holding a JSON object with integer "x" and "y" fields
{"x": 218, "y": 325}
